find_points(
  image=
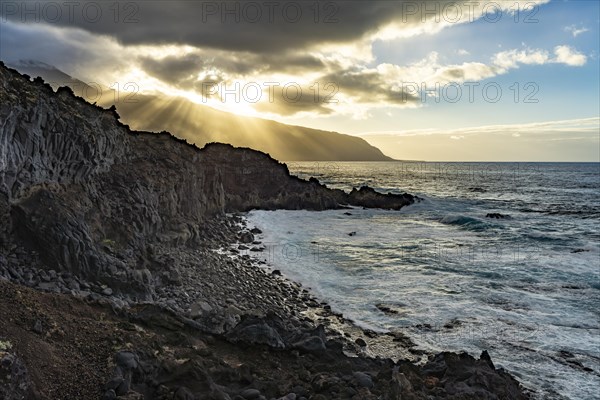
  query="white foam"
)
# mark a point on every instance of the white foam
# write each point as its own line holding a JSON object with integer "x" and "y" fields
{"x": 421, "y": 264}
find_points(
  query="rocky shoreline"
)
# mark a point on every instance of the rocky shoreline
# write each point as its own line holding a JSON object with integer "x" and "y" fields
{"x": 124, "y": 273}
{"x": 220, "y": 330}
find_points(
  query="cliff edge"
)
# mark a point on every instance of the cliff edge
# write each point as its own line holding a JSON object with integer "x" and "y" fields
{"x": 89, "y": 195}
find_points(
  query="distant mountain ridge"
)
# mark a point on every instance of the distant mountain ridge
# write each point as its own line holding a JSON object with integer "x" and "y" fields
{"x": 202, "y": 124}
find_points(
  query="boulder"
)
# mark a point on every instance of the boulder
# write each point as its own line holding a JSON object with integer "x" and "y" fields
{"x": 498, "y": 216}
{"x": 313, "y": 344}
{"x": 360, "y": 379}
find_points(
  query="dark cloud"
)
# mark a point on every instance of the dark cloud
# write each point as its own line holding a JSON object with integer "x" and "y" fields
{"x": 173, "y": 69}
{"x": 289, "y": 63}
{"x": 292, "y": 98}
{"x": 80, "y": 54}
{"x": 205, "y": 75}
{"x": 258, "y": 27}
{"x": 370, "y": 86}
{"x": 224, "y": 46}
{"x": 454, "y": 73}
{"x": 247, "y": 63}
{"x": 321, "y": 96}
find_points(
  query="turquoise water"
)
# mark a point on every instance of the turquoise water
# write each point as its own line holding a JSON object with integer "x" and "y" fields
{"x": 526, "y": 287}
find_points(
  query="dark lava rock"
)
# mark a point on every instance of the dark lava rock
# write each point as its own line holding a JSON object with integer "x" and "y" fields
{"x": 313, "y": 344}
{"x": 370, "y": 333}
{"x": 579, "y": 250}
{"x": 259, "y": 333}
{"x": 247, "y": 237}
{"x": 361, "y": 379}
{"x": 215, "y": 322}
{"x": 368, "y": 197}
{"x": 109, "y": 395}
{"x": 461, "y": 373}
{"x": 38, "y": 327}
{"x": 497, "y": 216}
{"x": 15, "y": 382}
{"x": 47, "y": 286}
{"x": 452, "y": 323}
{"x": 289, "y": 396}
{"x": 183, "y": 393}
{"x": 250, "y": 394}
{"x": 126, "y": 360}
{"x": 117, "y": 384}
{"x": 386, "y": 309}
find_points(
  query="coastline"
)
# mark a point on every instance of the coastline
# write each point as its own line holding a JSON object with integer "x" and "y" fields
{"x": 225, "y": 311}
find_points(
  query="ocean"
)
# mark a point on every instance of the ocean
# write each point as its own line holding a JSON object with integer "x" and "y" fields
{"x": 525, "y": 286}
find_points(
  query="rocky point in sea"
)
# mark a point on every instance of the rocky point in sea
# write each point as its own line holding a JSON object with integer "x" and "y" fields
{"x": 122, "y": 272}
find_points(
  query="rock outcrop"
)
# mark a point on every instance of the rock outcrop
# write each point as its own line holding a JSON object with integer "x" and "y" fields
{"x": 91, "y": 197}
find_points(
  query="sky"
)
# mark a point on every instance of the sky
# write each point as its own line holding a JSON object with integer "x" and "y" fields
{"x": 435, "y": 80}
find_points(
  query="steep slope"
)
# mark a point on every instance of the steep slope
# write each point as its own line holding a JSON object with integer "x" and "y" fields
{"x": 201, "y": 124}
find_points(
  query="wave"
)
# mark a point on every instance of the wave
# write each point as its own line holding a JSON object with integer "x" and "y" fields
{"x": 469, "y": 223}
{"x": 547, "y": 237}
{"x": 585, "y": 213}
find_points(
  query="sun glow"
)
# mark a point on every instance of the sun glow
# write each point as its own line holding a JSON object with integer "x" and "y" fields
{"x": 227, "y": 104}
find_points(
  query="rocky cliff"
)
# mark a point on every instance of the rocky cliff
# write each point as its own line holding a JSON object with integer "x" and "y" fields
{"x": 90, "y": 196}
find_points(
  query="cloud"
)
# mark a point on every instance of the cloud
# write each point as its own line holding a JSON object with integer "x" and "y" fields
{"x": 229, "y": 63}
{"x": 472, "y": 71}
{"x": 173, "y": 69}
{"x": 382, "y": 85}
{"x": 463, "y": 52}
{"x": 567, "y": 55}
{"x": 576, "y": 31}
{"x": 80, "y": 53}
{"x": 292, "y": 98}
{"x": 435, "y": 16}
{"x": 256, "y": 27}
{"x": 210, "y": 46}
{"x": 512, "y": 58}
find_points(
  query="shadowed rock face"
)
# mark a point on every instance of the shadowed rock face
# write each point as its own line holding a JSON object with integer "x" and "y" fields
{"x": 90, "y": 196}
{"x": 253, "y": 180}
